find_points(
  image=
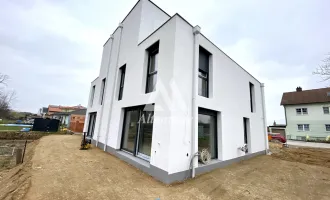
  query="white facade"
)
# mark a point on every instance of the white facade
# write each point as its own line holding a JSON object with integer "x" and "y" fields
{"x": 315, "y": 118}
{"x": 175, "y": 99}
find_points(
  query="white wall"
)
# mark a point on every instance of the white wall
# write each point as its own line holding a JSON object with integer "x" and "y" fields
{"x": 151, "y": 19}
{"x": 171, "y": 140}
{"x": 315, "y": 118}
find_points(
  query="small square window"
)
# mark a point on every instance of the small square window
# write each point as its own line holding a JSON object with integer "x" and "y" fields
{"x": 300, "y": 127}
{"x": 304, "y": 111}
{"x": 298, "y": 111}
{"x": 327, "y": 127}
{"x": 326, "y": 110}
{"x": 306, "y": 127}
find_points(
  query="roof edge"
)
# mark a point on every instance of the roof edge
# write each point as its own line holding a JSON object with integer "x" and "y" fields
{"x": 132, "y": 10}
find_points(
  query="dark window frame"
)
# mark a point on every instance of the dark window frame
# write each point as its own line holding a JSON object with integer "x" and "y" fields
{"x": 153, "y": 50}
{"x": 327, "y": 127}
{"x": 212, "y": 113}
{"x": 91, "y": 124}
{"x": 92, "y": 95}
{"x": 102, "y": 90}
{"x": 140, "y": 110}
{"x": 252, "y": 97}
{"x": 205, "y": 70}
{"x": 122, "y": 82}
{"x": 326, "y": 110}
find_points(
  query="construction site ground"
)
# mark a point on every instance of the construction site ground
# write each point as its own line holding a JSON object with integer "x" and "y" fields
{"x": 55, "y": 168}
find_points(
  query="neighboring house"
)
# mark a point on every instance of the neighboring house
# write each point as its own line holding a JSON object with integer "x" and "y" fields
{"x": 53, "y": 109}
{"x": 277, "y": 129}
{"x": 307, "y": 113}
{"x": 77, "y": 120}
{"x": 166, "y": 92}
{"x": 64, "y": 117}
{"x": 43, "y": 112}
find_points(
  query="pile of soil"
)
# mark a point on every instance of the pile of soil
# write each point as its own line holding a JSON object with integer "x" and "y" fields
{"x": 312, "y": 156}
{"x": 15, "y": 182}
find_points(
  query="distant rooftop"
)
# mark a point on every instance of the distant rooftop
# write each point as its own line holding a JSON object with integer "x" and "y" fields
{"x": 300, "y": 96}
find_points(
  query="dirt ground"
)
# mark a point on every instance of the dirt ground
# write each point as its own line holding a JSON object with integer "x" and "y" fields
{"x": 15, "y": 182}
{"x": 59, "y": 170}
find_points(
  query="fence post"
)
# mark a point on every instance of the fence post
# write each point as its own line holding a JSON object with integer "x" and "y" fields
{"x": 18, "y": 156}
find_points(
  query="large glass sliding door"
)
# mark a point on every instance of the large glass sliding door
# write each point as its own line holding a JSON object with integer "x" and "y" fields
{"x": 137, "y": 131}
{"x": 130, "y": 130}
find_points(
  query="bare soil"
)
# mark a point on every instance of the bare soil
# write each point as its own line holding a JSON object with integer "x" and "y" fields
{"x": 15, "y": 182}
{"x": 312, "y": 156}
{"x": 59, "y": 170}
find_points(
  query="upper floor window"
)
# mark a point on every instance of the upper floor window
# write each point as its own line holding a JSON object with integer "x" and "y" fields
{"x": 327, "y": 127}
{"x": 301, "y": 111}
{"x": 102, "y": 91}
{"x": 326, "y": 110}
{"x": 303, "y": 127}
{"x": 152, "y": 67}
{"x": 122, "y": 80}
{"x": 203, "y": 72}
{"x": 252, "y": 98}
{"x": 92, "y": 95}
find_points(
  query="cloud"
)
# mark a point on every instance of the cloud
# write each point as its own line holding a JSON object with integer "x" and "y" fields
{"x": 52, "y": 48}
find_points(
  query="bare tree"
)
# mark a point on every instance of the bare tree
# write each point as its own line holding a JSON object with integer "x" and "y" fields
{"x": 324, "y": 69}
{"x": 5, "y": 97}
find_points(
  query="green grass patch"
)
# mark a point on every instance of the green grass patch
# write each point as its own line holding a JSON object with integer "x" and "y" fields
{"x": 11, "y": 128}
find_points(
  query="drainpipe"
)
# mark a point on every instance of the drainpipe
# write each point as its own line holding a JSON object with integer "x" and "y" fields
{"x": 262, "y": 87}
{"x": 196, "y": 32}
{"x": 105, "y": 87}
{"x": 113, "y": 87}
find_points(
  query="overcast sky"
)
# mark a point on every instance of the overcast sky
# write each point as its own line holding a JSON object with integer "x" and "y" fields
{"x": 51, "y": 49}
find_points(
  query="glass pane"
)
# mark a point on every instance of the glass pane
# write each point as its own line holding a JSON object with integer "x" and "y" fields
{"x": 304, "y": 110}
{"x": 152, "y": 80}
{"x": 130, "y": 129}
{"x": 153, "y": 63}
{"x": 306, "y": 127}
{"x": 202, "y": 87}
{"x": 207, "y": 134}
{"x": 145, "y": 133}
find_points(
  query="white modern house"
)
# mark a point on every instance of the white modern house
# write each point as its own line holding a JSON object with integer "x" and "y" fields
{"x": 307, "y": 114}
{"x": 165, "y": 93}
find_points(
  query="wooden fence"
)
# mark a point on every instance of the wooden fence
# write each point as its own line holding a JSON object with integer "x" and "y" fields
{"x": 76, "y": 127}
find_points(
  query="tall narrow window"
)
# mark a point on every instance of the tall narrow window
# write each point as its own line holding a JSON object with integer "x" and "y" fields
{"x": 252, "y": 98}
{"x": 92, "y": 95}
{"x": 122, "y": 80}
{"x": 207, "y": 131}
{"x": 102, "y": 91}
{"x": 91, "y": 124}
{"x": 152, "y": 67}
{"x": 246, "y": 124}
{"x": 203, "y": 72}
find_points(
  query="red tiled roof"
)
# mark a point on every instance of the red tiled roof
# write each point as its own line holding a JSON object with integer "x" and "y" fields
{"x": 306, "y": 96}
{"x": 54, "y": 108}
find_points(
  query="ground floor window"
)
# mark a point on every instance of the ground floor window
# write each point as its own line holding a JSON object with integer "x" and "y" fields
{"x": 91, "y": 124}
{"x": 207, "y": 131}
{"x": 303, "y": 127}
{"x": 327, "y": 127}
{"x": 137, "y": 131}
